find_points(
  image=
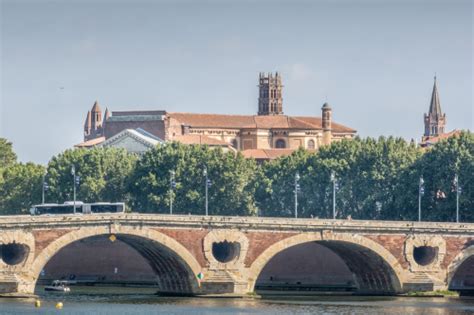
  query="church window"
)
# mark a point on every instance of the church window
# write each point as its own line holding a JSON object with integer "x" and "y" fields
{"x": 280, "y": 144}
{"x": 311, "y": 144}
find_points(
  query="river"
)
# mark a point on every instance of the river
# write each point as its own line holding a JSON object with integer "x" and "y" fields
{"x": 97, "y": 300}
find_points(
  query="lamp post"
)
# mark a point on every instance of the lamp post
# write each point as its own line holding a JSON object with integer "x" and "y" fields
{"x": 44, "y": 188}
{"x": 458, "y": 192}
{"x": 297, "y": 189}
{"x": 333, "y": 180}
{"x": 421, "y": 192}
{"x": 172, "y": 187}
{"x": 73, "y": 173}
{"x": 207, "y": 185}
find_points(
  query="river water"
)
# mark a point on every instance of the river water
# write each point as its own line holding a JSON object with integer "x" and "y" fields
{"x": 95, "y": 300}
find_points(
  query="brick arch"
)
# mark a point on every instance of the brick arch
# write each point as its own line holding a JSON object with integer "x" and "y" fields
{"x": 457, "y": 262}
{"x": 340, "y": 243}
{"x": 140, "y": 239}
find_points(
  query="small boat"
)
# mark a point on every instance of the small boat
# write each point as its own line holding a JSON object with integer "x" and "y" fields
{"x": 58, "y": 286}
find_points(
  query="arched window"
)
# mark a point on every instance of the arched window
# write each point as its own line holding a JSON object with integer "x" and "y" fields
{"x": 235, "y": 144}
{"x": 311, "y": 144}
{"x": 280, "y": 144}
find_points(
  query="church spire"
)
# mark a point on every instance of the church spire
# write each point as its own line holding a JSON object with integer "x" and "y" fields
{"x": 435, "y": 120}
{"x": 435, "y": 106}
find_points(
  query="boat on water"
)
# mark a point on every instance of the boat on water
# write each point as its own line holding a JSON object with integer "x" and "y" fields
{"x": 58, "y": 286}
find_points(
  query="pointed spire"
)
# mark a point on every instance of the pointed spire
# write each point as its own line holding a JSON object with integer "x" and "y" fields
{"x": 435, "y": 106}
{"x": 106, "y": 114}
{"x": 88, "y": 122}
{"x": 96, "y": 107}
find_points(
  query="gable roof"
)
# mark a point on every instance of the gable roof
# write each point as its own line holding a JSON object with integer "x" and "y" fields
{"x": 139, "y": 135}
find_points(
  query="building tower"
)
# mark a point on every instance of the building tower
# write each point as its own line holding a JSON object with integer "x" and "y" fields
{"x": 327, "y": 123}
{"x": 270, "y": 101}
{"x": 93, "y": 125}
{"x": 87, "y": 125}
{"x": 435, "y": 120}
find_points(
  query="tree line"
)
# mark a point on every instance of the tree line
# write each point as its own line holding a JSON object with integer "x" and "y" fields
{"x": 376, "y": 179}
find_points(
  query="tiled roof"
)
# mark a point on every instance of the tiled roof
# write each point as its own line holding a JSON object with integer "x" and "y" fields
{"x": 266, "y": 154}
{"x": 254, "y": 122}
{"x": 199, "y": 139}
{"x": 433, "y": 140}
{"x": 90, "y": 143}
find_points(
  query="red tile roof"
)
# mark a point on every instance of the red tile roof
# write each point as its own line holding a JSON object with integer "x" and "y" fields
{"x": 266, "y": 154}
{"x": 199, "y": 139}
{"x": 90, "y": 143}
{"x": 254, "y": 122}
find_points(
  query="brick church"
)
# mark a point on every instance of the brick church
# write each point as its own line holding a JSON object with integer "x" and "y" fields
{"x": 435, "y": 121}
{"x": 267, "y": 135}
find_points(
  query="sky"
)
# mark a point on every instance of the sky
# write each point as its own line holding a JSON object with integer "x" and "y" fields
{"x": 373, "y": 61}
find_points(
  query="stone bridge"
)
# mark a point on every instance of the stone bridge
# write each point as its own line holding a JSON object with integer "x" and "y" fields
{"x": 384, "y": 257}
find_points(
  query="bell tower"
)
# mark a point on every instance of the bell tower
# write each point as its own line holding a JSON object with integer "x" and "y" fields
{"x": 435, "y": 120}
{"x": 270, "y": 100}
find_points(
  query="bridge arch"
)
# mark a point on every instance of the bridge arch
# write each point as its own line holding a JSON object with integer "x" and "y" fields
{"x": 383, "y": 273}
{"x": 465, "y": 256}
{"x": 175, "y": 265}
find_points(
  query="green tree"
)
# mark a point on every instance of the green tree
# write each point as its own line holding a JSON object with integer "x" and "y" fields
{"x": 438, "y": 167}
{"x": 7, "y": 156}
{"x": 103, "y": 175}
{"x": 21, "y": 188}
{"x": 367, "y": 171}
{"x": 231, "y": 192}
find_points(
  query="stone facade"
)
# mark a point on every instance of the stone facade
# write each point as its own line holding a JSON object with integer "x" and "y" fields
{"x": 232, "y": 253}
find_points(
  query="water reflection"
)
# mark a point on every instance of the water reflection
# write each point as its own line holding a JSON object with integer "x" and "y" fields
{"x": 95, "y": 300}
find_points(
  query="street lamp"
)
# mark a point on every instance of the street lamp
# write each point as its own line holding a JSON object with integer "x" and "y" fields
{"x": 421, "y": 192}
{"x": 334, "y": 184}
{"x": 297, "y": 189}
{"x": 44, "y": 188}
{"x": 458, "y": 192}
{"x": 73, "y": 173}
{"x": 172, "y": 187}
{"x": 207, "y": 185}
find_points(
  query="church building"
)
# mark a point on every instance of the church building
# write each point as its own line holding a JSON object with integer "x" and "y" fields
{"x": 435, "y": 121}
{"x": 267, "y": 135}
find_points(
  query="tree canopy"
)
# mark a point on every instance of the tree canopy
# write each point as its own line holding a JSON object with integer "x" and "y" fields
{"x": 231, "y": 191}
{"x": 376, "y": 179}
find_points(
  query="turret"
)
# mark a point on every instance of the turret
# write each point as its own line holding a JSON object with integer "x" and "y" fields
{"x": 87, "y": 125}
{"x": 327, "y": 123}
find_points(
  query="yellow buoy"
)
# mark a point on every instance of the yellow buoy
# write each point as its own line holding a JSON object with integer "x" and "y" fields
{"x": 37, "y": 303}
{"x": 112, "y": 238}
{"x": 59, "y": 305}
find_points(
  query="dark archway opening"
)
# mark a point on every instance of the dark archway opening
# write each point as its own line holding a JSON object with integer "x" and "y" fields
{"x": 328, "y": 266}
{"x": 127, "y": 261}
{"x": 425, "y": 255}
{"x": 225, "y": 252}
{"x": 13, "y": 253}
{"x": 463, "y": 278}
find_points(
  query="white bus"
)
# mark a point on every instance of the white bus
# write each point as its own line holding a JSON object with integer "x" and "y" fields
{"x": 81, "y": 208}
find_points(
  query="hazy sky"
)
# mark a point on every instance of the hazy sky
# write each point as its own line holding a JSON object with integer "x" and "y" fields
{"x": 373, "y": 60}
